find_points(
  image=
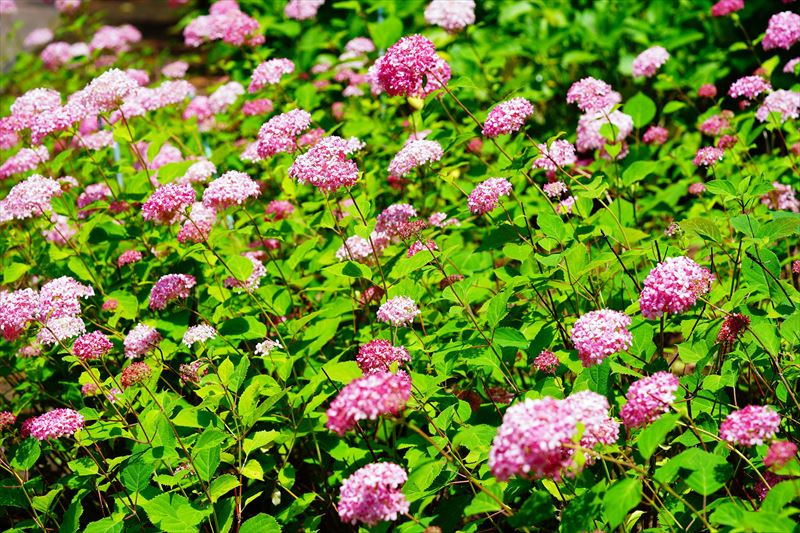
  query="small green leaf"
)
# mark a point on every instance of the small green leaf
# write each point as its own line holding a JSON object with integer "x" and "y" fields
{"x": 654, "y": 434}
{"x": 641, "y": 108}
{"x": 620, "y": 499}
{"x": 220, "y": 486}
{"x": 261, "y": 523}
{"x": 26, "y": 455}
{"x": 136, "y": 476}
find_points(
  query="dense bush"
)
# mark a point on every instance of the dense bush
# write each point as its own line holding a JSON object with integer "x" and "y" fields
{"x": 398, "y": 265}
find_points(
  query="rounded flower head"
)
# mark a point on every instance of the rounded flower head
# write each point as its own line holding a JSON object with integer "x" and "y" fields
{"x": 54, "y": 424}
{"x": 280, "y": 133}
{"x": 106, "y": 92}
{"x": 23, "y": 161}
{"x": 415, "y": 154}
{"x": 373, "y": 494}
{"x": 592, "y": 95}
{"x": 169, "y": 288}
{"x": 7, "y": 419}
{"x": 279, "y": 210}
{"x": 199, "y": 224}
{"x": 409, "y": 62}
{"x": 452, "y": 15}
{"x": 232, "y": 188}
{"x": 732, "y": 328}
{"x": 781, "y": 197}
{"x": 536, "y": 437}
{"x": 598, "y": 334}
{"x": 378, "y": 355}
{"x": 199, "y": 333}
{"x": 398, "y": 311}
{"x": 708, "y": 156}
{"x": 780, "y": 453}
{"x": 260, "y": 106}
{"x": 673, "y": 286}
{"x": 367, "y": 398}
{"x": 707, "y": 90}
{"x": 589, "y": 127}
{"x": 59, "y": 329}
{"x": 167, "y": 203}
{"x": 128, "y": 257}
{"x": 783, "y": 31}
{"x": 193, "y": 372}
{"x": 29, "y": 198}
{"x": 507, "y": 117}
{"x": 17, "y": 310}
{"x": 749, "y": 87}
{"x": 546, "y": 362}
{"x": 93, "y": 345}
{"x": 270, "y": 73}
{"x": 485, "y": 196}
{"x": 750, "y": 426}
{"x": 392, "y": 219}
{"x": 137, "y": 372}
{"x": 648, "y": 62}
{"x": 302, "y": 9}
{"x": 790, "y": 65}
{"x": 326, "y": 165}
{"x": 649, "y": 398}
{"x": 141, "y": 340}
{"x": 560, "y": 154}
{"x": 61, "y": 297}
{"x": 265, "y": 347}
{"x": 785, "y": 103}
{"x": 656, "y": 135}
{"x": 726, "y": 7}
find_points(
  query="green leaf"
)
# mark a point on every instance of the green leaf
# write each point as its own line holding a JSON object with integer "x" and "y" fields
{"x": 111, "y": 524}
{"x": 497, "y": 308}
{"x": 671, "y": 107}
{"x": 638, "y": 171}
{"x": 174, "y": 513}
{"x": 620, "y": 498}
{"x": 780, "y": 228}
{"x": 206, "y": 462}
{"x": 654, "y": 434}
{"x": 253, "y": 470}
{"x": 641, "y": 108}
{"x": 259, "y": 439}
{"x": 13, "y": 272}
{"x": 552, "y": 225}
{"x": 243, "y": 328}
{"x": 221, "y": 486}
{"x": 510, "y": 337}
{"x": 261, "y": 523}
{"x": 240, "y": 266}
{"x": 136, "y": 476}
{"x": 26, "y": 455}
{"x": 385, "y": 33}
{"x": 702, "y": 227}
{"x": 342, "y": 372}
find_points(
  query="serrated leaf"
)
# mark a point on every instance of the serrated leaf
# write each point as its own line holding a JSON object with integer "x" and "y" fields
{"x": 620, "y": 498}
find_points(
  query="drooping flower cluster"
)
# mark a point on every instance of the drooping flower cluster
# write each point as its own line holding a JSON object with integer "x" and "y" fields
{"x": 378, "y": 355}
{"x": 507, "y": 117}
{"x": 280, "y": 133}
{"x": 749, "y": 87}
{"x": 783, "y": 31}
{"x": 367, "y": 398}
{"x": 326, "y": 165}
{"x": 232, "y": 188}
{"x": 649, "y": 398}
{"x": 536, "y": 437}
{"x": 398, "y": 311}
{"x": 648, "y": 62}
{"x": 198, "y": 333}
{"x": 750, "y": 426}
{"x": 170, "y": 288}
{"x": 781, "y": 197}
{"x": 485, "y": 196}
{"x": 673, "y": 286}
{"x": 560, "y": 154}
{"x": 137, "y": 372}
{"x": 141, "y": 340}
{"x": 408, "y": 63}
{"x": 452, "y": 15}
{"x": 269, "y": 73}
{"x": 373, "y": 493}
{"x": 53, "y": 424}
{"x": 93, "y": 345}
{"x": 413, "y": 155}
{"x": 598, "y": 334}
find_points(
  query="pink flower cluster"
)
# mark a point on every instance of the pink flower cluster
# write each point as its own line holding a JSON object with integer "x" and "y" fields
{"x": 224, "y": 22}
{"x": 408, "y": 63}
{"x": 141, "y": 340}
{"x": 649, "y": 398}
{"x": 93, "y": 345}
{"x": 732, "y": 328}
{"x": 708, "y": 156}
{"x": 546, "y": 362}
{"x": 199, "y": 224}
{"x": 170, "y": 288}
{"x": 413, "y": 155}
{"x": 367, "y": 398}
{"x": 198, "y": 333}
{"x": 648, "y": 62}
{"x": 673, "y": 286}
{"x": 175, "y": 69}
{"x": 147, "y": 99}
{"x": 372, "y": 493}
{"x": 592, "y": 95}
{"x": 726, "y": 7}
{"x": 135, "y": 373}
{"x": 129, "y": 257}
{"x": 53, "y": 424}
{"x": 270, "y": 73}
{"x": 749, "y": 87}
{"x": 24, "y": 160}
{"x": 232, "y": 188}
{"x": 560, "y": 154}
{"x": 260, "y": 106}
{"x": 589, "y": 126}
{"x": 507, "y": 117}
{"x": 302, "y": 9}
{"x": 656, "y": 135}
{"x": 168, "y": 203}
{"x": 280, "y": 133}
{"x": 17, "y": 310}
{"x": 452, "y": 15}
{"x": 7, "y": 419}
{"x": 485, "y": 196}
{"x": 780, "y": 453}
{"x": 398, "y": 311}
{"x": 785, "y": 103}
{"x": 598, "y": 334}
{"x": 783, "y": 31}
{"x": 536, "y": 437}
{"x": 781, "y": 197}
{"x": 279, "y": 210}
{"x": 750, "y": 426}
{"x": 326, "y": 165}
{"x": 60, "y": 53}
{"x": 378, "y": 355}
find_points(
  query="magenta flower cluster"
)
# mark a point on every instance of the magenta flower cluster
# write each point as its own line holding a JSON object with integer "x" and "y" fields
{"x": 170, "y": 288}
{"x": 750, "y": 426}
{"x": 53, "y": 424}
{"x": 507, "y": 117}
{"x": 649, "y": 398}
{"x": 326, "y": 165}
{"x": 378, "y": 355}
{"x": 398, "y": 311}
{"x": 93, "y": 345}
{"x": 486, "y": 195}
{"x": 598, "y": 334}
{"x": 367, "y": 398}
{"x": 372, "y": 494}
{"x": 673, "y": 287}
{"x": 411, "y": 67}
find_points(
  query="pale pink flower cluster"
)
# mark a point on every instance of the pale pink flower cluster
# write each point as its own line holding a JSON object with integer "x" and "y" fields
{"x": 60, "y": 53}
{"x": 105, "y": 92}
{"x": 225, "y": 96}
{"x": 60, "y": 297}
{"x": 708, "y": 156}
{"x": 507, "y": 117}
{"x": 260, "y": 106}
{"x": 115, "y": 38}
{"x": 53, "y": 424}
{"x": 96, "y": 192}
{"x": 790, "y": 65}
{"x": 129, "y": 257}
{"x": 589, "y": 126}
{"x": 452, "y": 15}
{"x": 419, "y": 246}
{"x": 280, "y": 133}
{"x": 199, "y": 172}
{"x": 750, "y": 426}
{"x": 147, "y": 99}
{"x": 781, "y": 197}
{"x": 392, "y": 219}
{"x": 23, "y": 161}
{"x": 232, "y": 188}
{"x": 61, "y": 232}
{"x": 8, "y": 7}
{"x": 785, "y": 103}
{"x": 783, "y": 31}
{"x": 367, "y": 398}
{"x": 168, "y": 203}
{"x": 716, "y": 124}
{"x": 141, "y": 340}
{"x": 598, "y": 334}
{"x": 17, "y": 310}
{"x": 411, "y": 67}
{"x": 536, "y": 437}
{"x": 441, "y": 220}
{"x": 270, "y": 73}
{"x": 279, "y": 210}
{"x": 413, "y": 155}
{"x": 749, "y": 87}
{"x": 398, "y": 311}
{"x": 170, "y": 288}
{"x": 378, "y": 356}
{"x": 93, "y": 345}
{"x": 560, "y": 154}
{"x": 224, "y": 22}
{"x": 267, "y": 346}
{"x": 198, "y": 333}
{"x": 780, "y": 453}
{"x": 486, "y": 195}
{"x": 302, "y": 9}
{"x": 326, "y": 165}
{"x": 649, "y": 398}
{"x": 199, "y": 224}
{"x": 648, "y": 62}
{"x": 29, "y": 198}
{"x": 175, "y": 69}
{"x": 726, "y": 7}
{"x": 373, "y": 493}
{"x": 673, "y": 286}
{"x": 357, "y": 248}
{"x": 60, "y": 329}
{"x": 38, "y": 37}
{"x": 592, "y": 95}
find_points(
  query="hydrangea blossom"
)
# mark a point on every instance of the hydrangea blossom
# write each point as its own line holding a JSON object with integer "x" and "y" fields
{"x": 673, "y": 286}
{"x": 750, "y": 426}
{"x": 367, "y": 398}
{"x": 280, "y": 133}
{"x": 409, "y": 62}
{"x": 707, "y": 90}
{"x": 168, "y": 203}
{"x": 486, "y": 195}
{"x": 175, "y": 69}
{"x": 507, "y": 117}
{"x": 7, "y": 419}
{"x": 413, "y": 155}
{"x": 225, "y": 22}
{"x": 135, "y": 373}
{"x": 24, "y": 160}
{"x": 260, "y": 106}
{"x": 169, "y": 288}
{"x": 253, "y": 281}
{"x": 598, "y": 334}
{"x": 648, "y": 62}
{"x": 656, "y": 135}
{"x": 93, "y": 345}
{"x": 372, "y": 494}
{"x": 783, "y": 31}
{"x": 198, "y": 333}
{"x": 648, "y": 398}
{"x": 592, "y": 95}
{"x": 546, "y": 362}
{"x": 749, "y": 87}
{"x": 140, "y": 340}
{"x": 17, "y": 310}
{"x": 780, "y": 453}
{"x": 270, "y": 73}
{"x": 589, "y": 127}
{"x": 378, "y": 356}
{"x": 232, "y": 188}
{"x": 785, "y": 103}
{"x": 302, "y": 9}
{"x": 560, "y": 154}
{"x": 781, "y": 197}
{"x": 726, "y": 7}
{"x": 55, "y": 330}
{"x": 326, "y": 165}
{"x": 708, "y": 156}
{"x": 452, "y": 15}
{"x": 53, "y": 424}
{"x": 398, "y": 311}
